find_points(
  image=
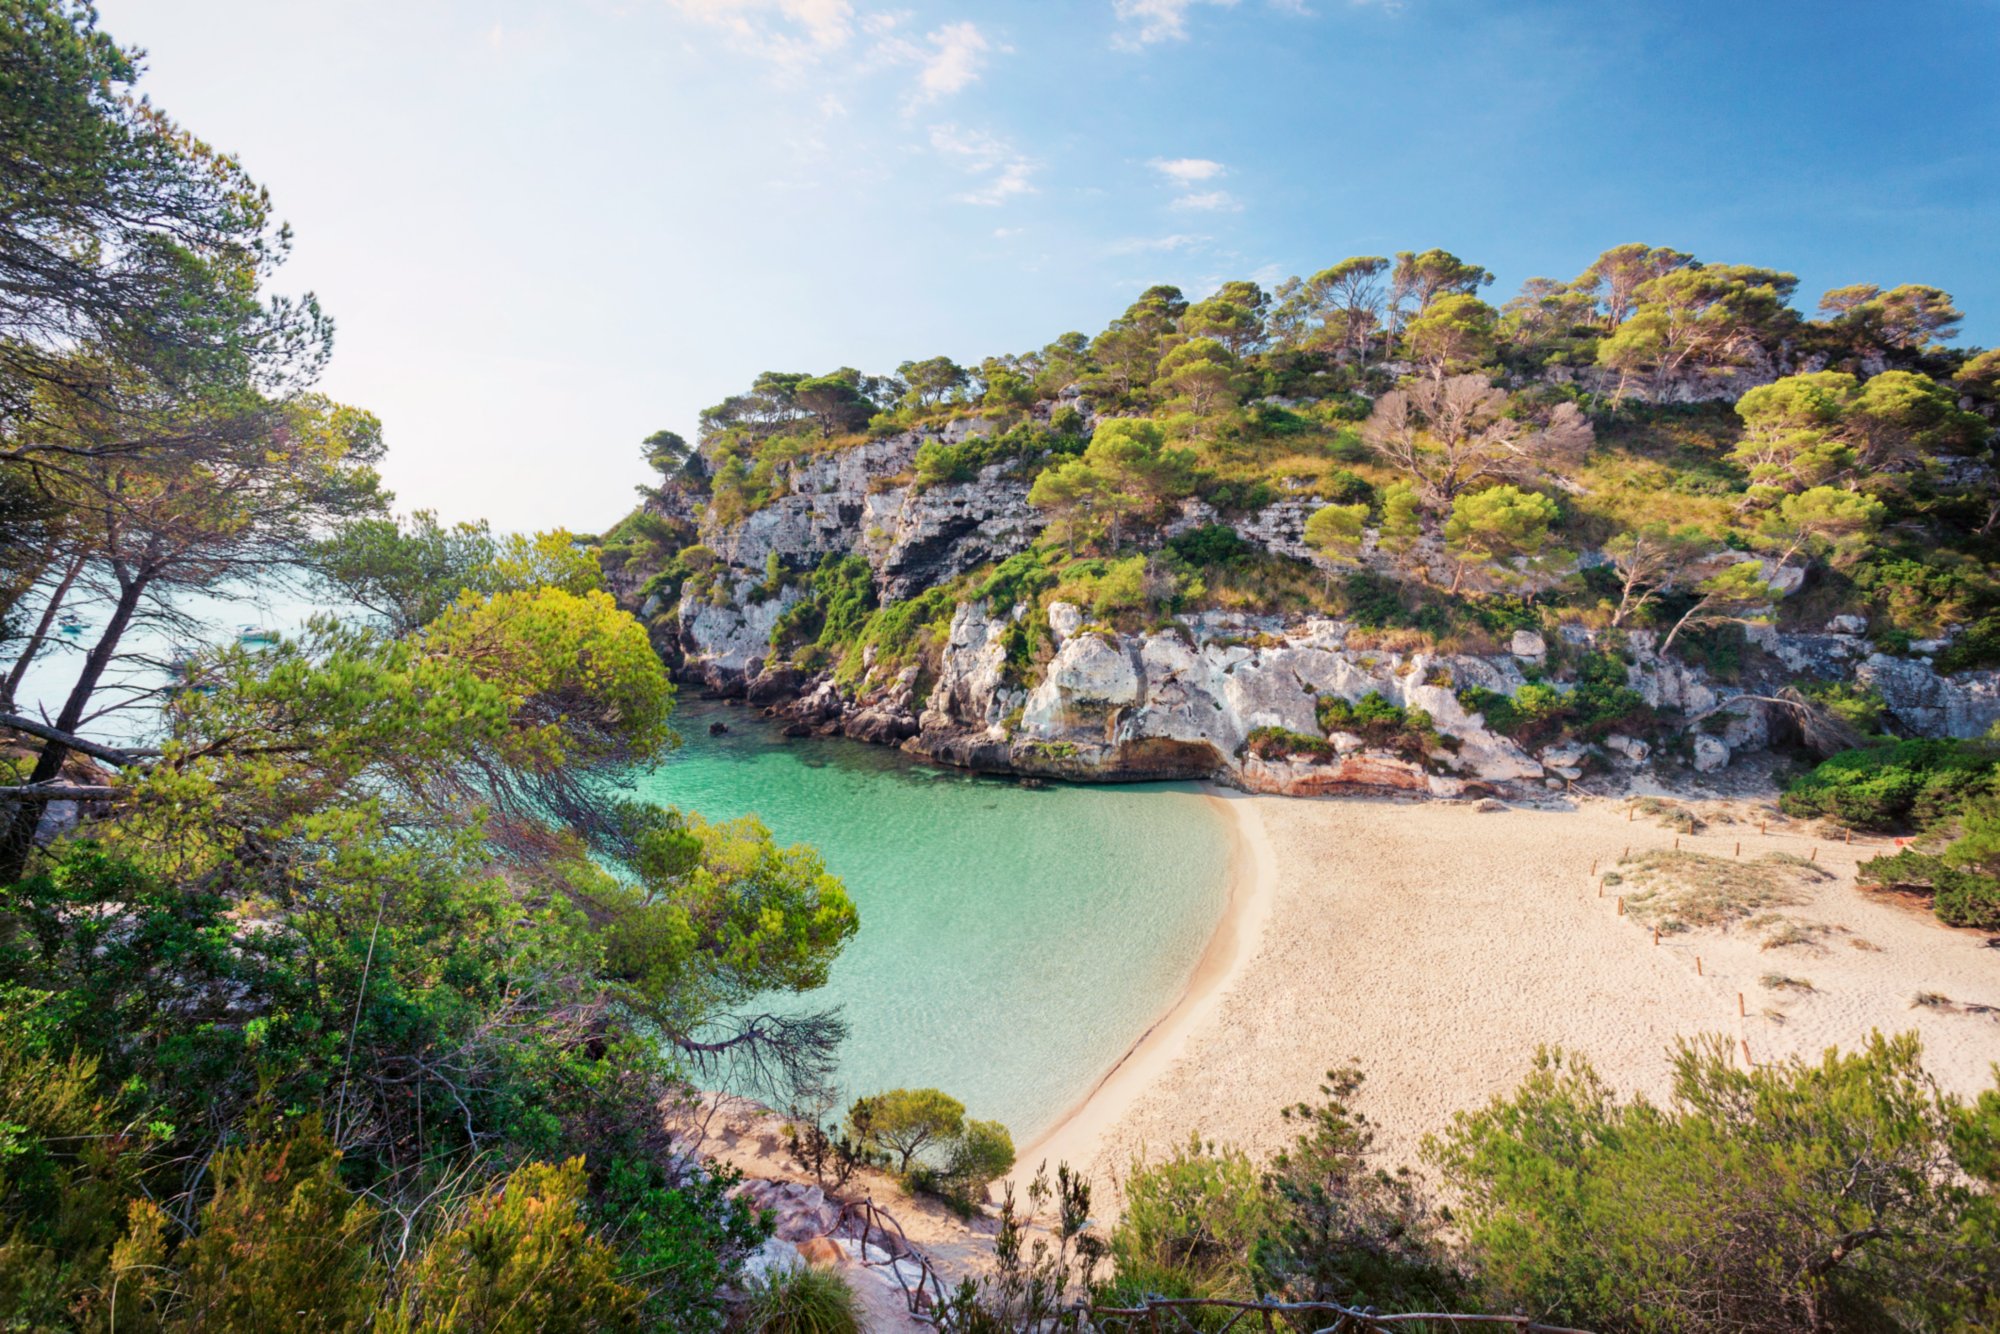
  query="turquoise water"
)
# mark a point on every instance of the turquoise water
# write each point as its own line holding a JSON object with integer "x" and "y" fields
{"x": 1013, "y": 942}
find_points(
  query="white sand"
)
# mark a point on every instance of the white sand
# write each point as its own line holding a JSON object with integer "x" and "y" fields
{"x": 1436, "y": 946}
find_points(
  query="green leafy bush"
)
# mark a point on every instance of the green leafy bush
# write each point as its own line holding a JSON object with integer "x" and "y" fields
{"x": 1377, "y": 721}
{"x": 1211, "y": 544}
{"x": 1843, "y": 1194}
{"x": 1892, "y": 787}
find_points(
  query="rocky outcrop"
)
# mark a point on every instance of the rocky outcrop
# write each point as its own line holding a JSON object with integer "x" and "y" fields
{"x": 861, "y": 501}
{"x": 1187, "y": 701}
{"x": 1063, "y": 698}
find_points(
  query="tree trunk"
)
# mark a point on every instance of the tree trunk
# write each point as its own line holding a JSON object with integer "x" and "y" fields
{"x": 41, "y": 634}
{"x": 1675, "y": 633}
{"x": 19, "y": 839}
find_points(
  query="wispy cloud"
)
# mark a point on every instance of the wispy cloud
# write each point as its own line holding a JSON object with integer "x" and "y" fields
{"x": 1000, "y": 170}
{"x": 1149, "y": 21}
{"x": 1208, "y": 201}
{"x": 1155, "y": 245}
{"x": 795, "y": 34}
{"x": 1188, "y": 170}
{"x": 785, "y": 32}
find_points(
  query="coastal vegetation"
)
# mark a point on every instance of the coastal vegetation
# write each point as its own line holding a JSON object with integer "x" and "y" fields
{"x": 1848, "y": 1193}
{"x": 353, "y": 997}
{"x": 346, "y": 987}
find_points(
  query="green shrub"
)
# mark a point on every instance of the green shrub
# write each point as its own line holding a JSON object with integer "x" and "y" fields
{"x": 1978, "y": 646}
{"x": 1191, "y": 1223}
{"x": 982, "y": 1153}
{"x": 519, "y": 1260}
{"x": 1844, "y": 1194}
{"x": 281, "y": 1244}
{"x": 1275, "y": 743}
{"x": 1211, "y": 544}
{"x": 1860, "y": 707}
{"x": 803, "y": 1300}
{"x": 1892, "y": 787}
{"x": 1962, "y": 877}
{"x": 1377, "y": 721}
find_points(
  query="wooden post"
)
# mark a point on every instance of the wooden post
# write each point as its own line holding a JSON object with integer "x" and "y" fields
{"x": 1593, "y": 866}
{"x": 1850, "y": 836}
{"x": 1628, "y": 814}
{"x": 1627, "y": 853}
{"x": 1740, "y": 1011}
{"x": 1600, "y": 888}
{"x": 1697, "y": 965}
{"x": 1746, "y": 1052}
{"x": 1764, "y": 826}
{"x": 1621, "y": 905}
{"x": 1815, "y": 853}
{"x": 1656, "y": 935}
{"x": 1739, "y": 847}
{"x": 1677, "y": 842}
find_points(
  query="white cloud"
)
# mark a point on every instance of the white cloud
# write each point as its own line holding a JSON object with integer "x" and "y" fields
{"x": 1002, "y": 171}
{"x": 1156, "y": 20}
{"x": 1208, "y": 201}
{"x": 1007, "y": 233}
{"x": 786, "y": 32}
{"x": 958, "y": 52}
{"x": 797, "y": 35}
{"x": 1188, "y": 170}
{"x": 1154, "y": 245}
{"x": 1149, "y": 21}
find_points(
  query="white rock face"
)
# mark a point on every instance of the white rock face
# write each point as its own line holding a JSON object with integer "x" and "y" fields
{"x": 971, "y": 686}
{"x": 1528, "y": 644}
{"x": 834, "y": 505}
{"x": 774, "y": 1257}
{"x": 1088, "y": 678}
{"x": 1710, "y": 754}
{"x": 732, "y": 641}
{"x": 1962, "y": 705}
{"x": 1064, "y": 620}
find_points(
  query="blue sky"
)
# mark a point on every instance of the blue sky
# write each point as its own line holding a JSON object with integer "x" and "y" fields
{"x": 547, "y": 229}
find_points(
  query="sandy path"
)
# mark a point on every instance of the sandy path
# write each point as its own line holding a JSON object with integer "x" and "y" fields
{"x": 1437, "y": 946}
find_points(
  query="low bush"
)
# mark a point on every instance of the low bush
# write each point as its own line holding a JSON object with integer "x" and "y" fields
{"x": 1962, "y": 876}
{"x": 1276, "y": 743}
{"x": 802, "y": 1300}
{"x": 1894, "y": 787}
{"x": 1380, "y": 723}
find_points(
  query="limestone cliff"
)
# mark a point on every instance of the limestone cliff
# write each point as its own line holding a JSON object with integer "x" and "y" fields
{"x": 1185, "y": 701}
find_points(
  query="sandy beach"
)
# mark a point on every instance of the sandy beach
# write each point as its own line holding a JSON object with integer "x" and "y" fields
{"x": 1437, "y": 946}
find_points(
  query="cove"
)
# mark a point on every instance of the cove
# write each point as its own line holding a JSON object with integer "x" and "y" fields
{"x": 1014, "y": 942}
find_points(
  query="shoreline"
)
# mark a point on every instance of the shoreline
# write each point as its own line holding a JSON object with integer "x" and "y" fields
{"x": 1437, "y": 947}
{"x": 1248, "y": 906}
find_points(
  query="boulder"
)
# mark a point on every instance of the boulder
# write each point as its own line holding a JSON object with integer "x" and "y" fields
{"x": 1528, "y": 644}
{"x": 774, "y": 1257}
{"x": 1064, "y": 620}
{"x": 1710, "y": 753}
{"x": 1628, "y": 749}
{"x": 1847, "y": 625}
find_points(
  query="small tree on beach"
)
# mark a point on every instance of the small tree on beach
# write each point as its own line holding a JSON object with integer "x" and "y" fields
{"x": 905, "y": 1122}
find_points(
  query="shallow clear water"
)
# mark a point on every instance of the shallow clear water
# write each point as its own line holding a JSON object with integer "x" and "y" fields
{"x": 1013, "y": 942}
